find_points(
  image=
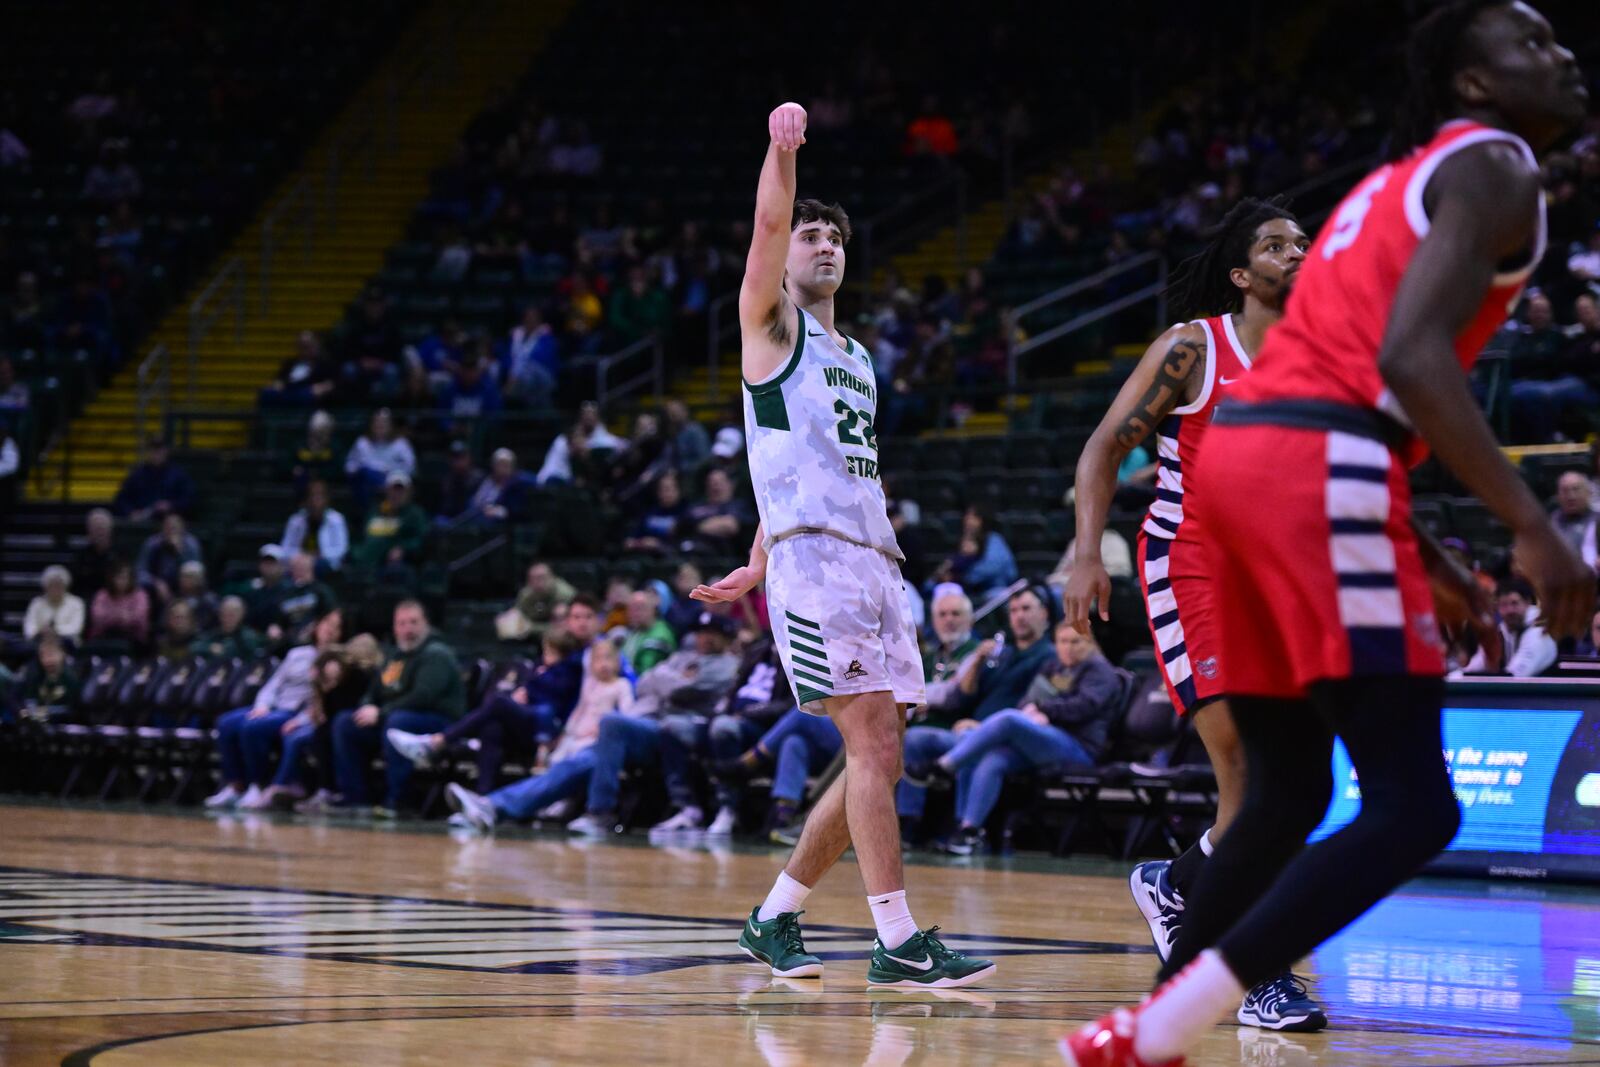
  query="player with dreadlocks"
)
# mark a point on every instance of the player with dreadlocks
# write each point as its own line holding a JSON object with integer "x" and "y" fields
{"x": 1328, "y": 622}
{"x": 1227, "y": 295}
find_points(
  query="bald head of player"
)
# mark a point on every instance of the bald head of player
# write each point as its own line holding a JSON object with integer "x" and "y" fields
{"x": 1495, "y": 62}
{"x": 818, "y": 233}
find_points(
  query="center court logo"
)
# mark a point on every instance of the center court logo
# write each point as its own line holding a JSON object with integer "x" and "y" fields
{"x": 55, "y": 907}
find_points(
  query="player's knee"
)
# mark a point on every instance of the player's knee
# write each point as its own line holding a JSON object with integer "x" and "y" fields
{"x": 878, "y": 753}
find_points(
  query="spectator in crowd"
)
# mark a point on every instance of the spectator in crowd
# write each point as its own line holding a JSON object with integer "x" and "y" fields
{"x": 192, "y": 590}
{"x": 1066, "y": 719}
{"x": 671, "y": 698}
{"x": 952, "y": 655}
{"x": 530, "y": 361}
{"x": 649, "y": 639}
{"x": 640, "y": 308}
{"x": 178, "y": 631}
{"x": 376, "y": 455}
{"x": 461, "y": 481}
{"x": 796, "y": 747}
{"x": 1574, "y": 515}
{"x": 536, "y": 603}
{"x": 303, "y": 601}
{"x": 1547, "y": 386}
{"x": 983, "y": 563}
{"x": 442, "y": 352}
{"x": 396, "y": 530}
{"x": 717, "y": 524}
{"x": 524, "y": 712}
{"x": 306, "y": 379}
{"x": 155, "y": 487}
{"x": 262, "y": 593}
{"x": 112, "y": 177}
{"x": 614, "y": 608}
{"x": 1589, "y": 644}
{"x": 318, "y": 531}
{"x": 644, "y": 459}
{"x": 25, "y": 315}
{"x": 120, "y": 611}
{"x": 55, "y": 611}
{"x": 995, "y": 678}
{"x": 15, "y": 397}
{"x": 759, "y": 697}
{"x": 340, "y": 679}
{"x": 164, "y": 555}
{"x": 1583, "y": 260}
{"x": 418, "y": 690}
{"x": 684, "y": 611}
{"x": 231, "y": 638}
{"x": 90, "y": 563}
{"x": 247, "y": 736}
{"x": 656, "y": 530}
{"x": 471, "y": 389}
{"x": 571, "y": 453}
{"x": 604, "y": 693}
{"x": 506, "y": 495}
{"x": 371, "y": 368}
{"x": 49, "y": 688}
{"x": 1523, "y": 649}
{"x": 931, "y": 133}
{"x": 690, "y": 678}
{"x": 85, "y": 320}
{"x": 687, "y": 440}
{"x": 10, "y": 466}
{"x": 1583, "y": 348}
{"x": 314, "y": 460}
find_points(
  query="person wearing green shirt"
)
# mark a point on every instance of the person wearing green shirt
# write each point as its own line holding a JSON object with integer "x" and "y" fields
{"x": 231, "y": 638}
{"x": 50, "y": 687}
{"x": 650, "y": 640}
{"x": 419, "y": 689}
{"x": 396, "y": 528}
{"x": 301, "y": 604}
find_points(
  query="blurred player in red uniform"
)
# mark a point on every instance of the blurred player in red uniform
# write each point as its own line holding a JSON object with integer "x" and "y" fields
{"x": 1327, "y": 617}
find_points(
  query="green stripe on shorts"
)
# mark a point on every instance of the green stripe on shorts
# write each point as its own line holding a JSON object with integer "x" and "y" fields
{"x": 798, "y": 673}
{"x": 820, "y": 668}
{"x": 812, "y": 646}
{"x": 792, "y": 617}
{"x": 812, "y": 696}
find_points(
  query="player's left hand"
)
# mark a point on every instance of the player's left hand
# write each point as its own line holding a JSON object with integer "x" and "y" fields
{"x": 729, "y": 589}
{"x": 1458, "y": 598}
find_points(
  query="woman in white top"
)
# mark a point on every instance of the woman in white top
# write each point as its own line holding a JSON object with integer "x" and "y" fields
{"x": 55, "y": 610}
{"x": 377, "y": 454}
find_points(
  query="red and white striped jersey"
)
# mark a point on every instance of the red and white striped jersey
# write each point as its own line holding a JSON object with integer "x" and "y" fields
{"x": 1179, "y": 435}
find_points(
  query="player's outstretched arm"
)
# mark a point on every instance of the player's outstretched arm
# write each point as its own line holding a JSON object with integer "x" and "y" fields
{"x": 1483, "y": 210}
{"x": 740, "y": 581}
{"x": 765, "y": 311}
{"x": 1166, "y": 378}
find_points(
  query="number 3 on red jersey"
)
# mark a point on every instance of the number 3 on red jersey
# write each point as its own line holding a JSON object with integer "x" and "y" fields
{"x": 1347, "y": 224}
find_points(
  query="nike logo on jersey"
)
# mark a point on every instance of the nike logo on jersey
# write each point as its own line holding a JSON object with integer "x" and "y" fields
{"x": 815, "y": 333}
{"x": 915, "y": 965}
{"x": 1228, "y": 381}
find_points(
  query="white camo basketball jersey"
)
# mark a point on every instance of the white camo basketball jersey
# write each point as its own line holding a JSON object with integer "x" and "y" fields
{"x": 813, "y": 446}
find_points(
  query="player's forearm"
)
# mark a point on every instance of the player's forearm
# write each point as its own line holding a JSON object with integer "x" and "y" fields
{"x": 1095, "y": 485}
{"x": 1433, "y": 392}
{"x": 775, "y": 193}
{"x": 758, "y": 548}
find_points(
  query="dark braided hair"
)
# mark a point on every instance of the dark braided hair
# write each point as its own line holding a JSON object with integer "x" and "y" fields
{"x": 1435, "y": 52}
{"x": 1200, "y": 286}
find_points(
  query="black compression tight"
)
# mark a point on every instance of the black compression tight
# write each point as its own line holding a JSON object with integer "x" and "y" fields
{"x": 1264, "y": 898}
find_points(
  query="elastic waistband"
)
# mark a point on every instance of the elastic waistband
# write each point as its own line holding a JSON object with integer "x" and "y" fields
{"x": 1315, "y": 415}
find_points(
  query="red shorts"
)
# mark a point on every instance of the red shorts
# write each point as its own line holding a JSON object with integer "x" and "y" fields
{"x": 1180, "y": 602}
{"x": 1317, "y": 571}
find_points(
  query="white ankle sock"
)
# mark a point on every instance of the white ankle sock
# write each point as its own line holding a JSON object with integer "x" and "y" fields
{"x": 1175, "y": 1016}
{"x": 1206, "y": 847}
{"x": 892, "y": 917}
{"x": 787, "y": 895}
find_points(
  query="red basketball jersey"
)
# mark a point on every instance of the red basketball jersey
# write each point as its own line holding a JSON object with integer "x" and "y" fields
{"x": 1179, "y": 435}
{"x": 1326, "y": 346}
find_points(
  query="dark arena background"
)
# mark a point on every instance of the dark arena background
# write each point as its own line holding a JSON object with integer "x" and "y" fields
{"x": 370, "y": 371}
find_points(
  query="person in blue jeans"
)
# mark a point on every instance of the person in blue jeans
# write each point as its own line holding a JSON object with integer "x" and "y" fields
{"x": 797, "y": 746}
{"x": 761, "y": 696}
{"x": 419, "y": 689}
{"x": 247, "y": 736}
{"x": 995, "y": 676}
{"x": 1066, "y": 719}
{"x": 627, "y": 737}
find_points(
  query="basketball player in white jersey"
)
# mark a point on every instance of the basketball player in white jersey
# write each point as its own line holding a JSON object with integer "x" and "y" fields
{"x": 825, "y": 548}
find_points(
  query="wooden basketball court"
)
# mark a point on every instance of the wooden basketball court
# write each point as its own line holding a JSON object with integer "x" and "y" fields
{"x": 134, "y": 938}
